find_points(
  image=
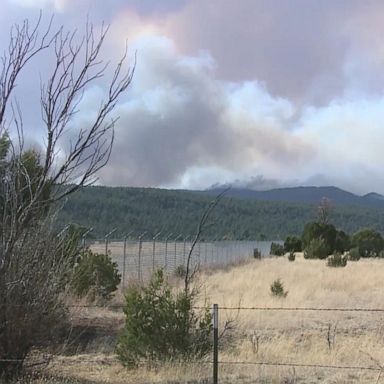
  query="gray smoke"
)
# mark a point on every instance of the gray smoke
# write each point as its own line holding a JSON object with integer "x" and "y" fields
{"x": 226, "y": 90}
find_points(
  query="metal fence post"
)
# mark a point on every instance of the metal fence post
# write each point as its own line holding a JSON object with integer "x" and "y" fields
{"x": 184, "y": 248}
{"x": 212, "y": 249}
{"x": 166, "y": 252}
{"x": 84, "y": 236}
{"x": 154, "y": 249}
{"x": 215, "y": 343}
{"x": 199, "y": 253}
{"x": 175, "y": 255}
{"x": 139, "y": 274}
{"x": 125, "y": 257}
{"x": 106, "y": 240}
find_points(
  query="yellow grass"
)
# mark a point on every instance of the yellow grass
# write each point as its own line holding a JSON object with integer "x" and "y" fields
{"x": 323, "y": 338}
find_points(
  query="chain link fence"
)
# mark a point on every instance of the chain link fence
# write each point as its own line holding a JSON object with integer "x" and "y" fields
{"x": 137, "y": 258}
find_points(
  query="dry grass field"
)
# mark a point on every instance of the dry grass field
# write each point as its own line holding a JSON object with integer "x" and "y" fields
{"x": 259, "y": 336}
{"x": 306, "y": 337}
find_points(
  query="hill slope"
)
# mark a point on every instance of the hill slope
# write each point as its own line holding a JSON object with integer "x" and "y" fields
{"x": 178, "y": 212}
{"x": 309, "y": 195}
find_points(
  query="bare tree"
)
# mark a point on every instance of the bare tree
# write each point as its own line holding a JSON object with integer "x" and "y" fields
{"x": 191, "y": 270}
{"x": 33, "y": 261}
{"x": 323, "y": 210}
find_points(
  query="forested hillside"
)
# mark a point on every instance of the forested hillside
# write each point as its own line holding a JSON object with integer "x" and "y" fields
{"x": 153, "y": 210}
{"x": 306, "y": 195}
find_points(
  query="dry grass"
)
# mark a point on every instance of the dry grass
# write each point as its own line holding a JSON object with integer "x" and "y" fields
{"x": 325, "y": 338}
{"x": 101, "y": 368}
{"x": 310, "y": 283}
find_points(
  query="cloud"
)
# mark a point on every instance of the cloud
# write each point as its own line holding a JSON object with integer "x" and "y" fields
{"x": 347, "y": 134}
{"x": 226, "y": 91}
{"x": 179, "y": 120}
{"x": 52, "y": 5}
{"x": 299, "y": 48}
{"x": 182, "y": 126}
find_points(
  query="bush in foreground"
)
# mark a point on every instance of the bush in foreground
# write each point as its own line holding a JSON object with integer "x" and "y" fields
{"x": 180, "y": 271}
{"x": 162, "y": 325}
{"x": 95, "y": 276}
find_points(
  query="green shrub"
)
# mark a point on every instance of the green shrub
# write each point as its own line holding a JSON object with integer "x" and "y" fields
{"x": 256, "y": 253}
{"x": 342, "y": 242}
{"x": 369, "y": 242}
{"x": 354, "y": 254}
{"x": 337, "y": 260}
{"x": 292, "y": 244}
{"x": 277, "y": 249}
{"x": 180, "y": 271}
{"x": 324, "y": 231}
{"x": 161, "y": 325}
{"x": 316, "y": 249}
{"x": 277, "y": 289}
{"x": 291, "y": 256}
{"x": 96, "y": 276}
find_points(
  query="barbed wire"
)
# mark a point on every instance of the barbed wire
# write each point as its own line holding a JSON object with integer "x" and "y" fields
{"x": 298, "y": 309}
{"x": 11, "y": 360}
{"x": 350, "y": 367}
{"x": 255, "y": 363}
{"x": 313, "y": 309}
{"x": 113, "y": 306}
{"x": 258, "y": 363}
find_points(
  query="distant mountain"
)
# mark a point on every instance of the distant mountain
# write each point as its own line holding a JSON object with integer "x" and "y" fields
{"x": 306, "y": 195}
{"x": 241, "y": 214}
{"x": 373, "y": 197}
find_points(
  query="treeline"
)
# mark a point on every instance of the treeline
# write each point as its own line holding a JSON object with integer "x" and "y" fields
{"x": 153, "y": 210}
{"x": 320, "y": 240}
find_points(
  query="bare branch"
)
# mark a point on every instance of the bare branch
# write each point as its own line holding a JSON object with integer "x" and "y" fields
{"x": 24, "y": 44}
{"x": 60, "y": 99}
{"x": 33, "y": 262}
{"x": 323, "y": 210}
{"x": 200, "y": 228}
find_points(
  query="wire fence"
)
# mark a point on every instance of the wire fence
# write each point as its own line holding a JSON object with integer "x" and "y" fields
{"x": 326, "y": 327}
{"x": 137, "y": 259}
{"x": 257, "y": 359}
{"x": 323, "y": 326}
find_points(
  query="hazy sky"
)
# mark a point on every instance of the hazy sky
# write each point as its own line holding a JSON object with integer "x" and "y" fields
{"x": 251, "y": 92}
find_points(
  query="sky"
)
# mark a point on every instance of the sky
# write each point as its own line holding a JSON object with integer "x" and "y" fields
{"x": 252, "y": 93}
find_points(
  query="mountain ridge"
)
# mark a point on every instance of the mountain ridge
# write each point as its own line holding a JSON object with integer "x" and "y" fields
{"x": 150, "y": 210}
{"x": 305, "y": 195}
